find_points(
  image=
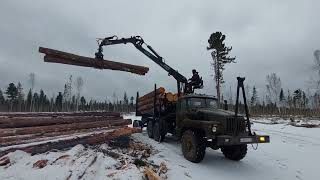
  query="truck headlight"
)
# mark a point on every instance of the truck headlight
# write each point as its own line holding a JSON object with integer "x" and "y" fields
{"x": 214, "y": 129}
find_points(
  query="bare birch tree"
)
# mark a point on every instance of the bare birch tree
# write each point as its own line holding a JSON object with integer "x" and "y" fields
{"x": 79, "y": 85}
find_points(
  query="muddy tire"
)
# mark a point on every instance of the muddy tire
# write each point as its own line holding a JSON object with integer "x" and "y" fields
{"x": 156, "y": 131}
{"x": 193, "y": 146}
{"x": 136, "y": 124}
{"x": 235, "y": 153}
{"x": 150, "y": 129}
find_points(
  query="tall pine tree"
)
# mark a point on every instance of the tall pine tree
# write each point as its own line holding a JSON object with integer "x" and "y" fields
{"x": 220, "y": 57}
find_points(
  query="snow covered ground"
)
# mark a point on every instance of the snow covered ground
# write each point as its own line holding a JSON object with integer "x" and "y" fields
{"x": 294, "y": 153}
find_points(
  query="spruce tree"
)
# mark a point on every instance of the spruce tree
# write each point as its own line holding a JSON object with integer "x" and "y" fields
{"x": 12, "y": 93}
{"x": 58, "y": 103}
{"x": 1, "y": 97}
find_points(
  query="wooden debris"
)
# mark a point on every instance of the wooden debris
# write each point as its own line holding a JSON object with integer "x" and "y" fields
{"x": 40, "y": 164}
{"x": 55, "y": 56}
{"x": 150, "y": 174}
{"x": 4, "y": 161}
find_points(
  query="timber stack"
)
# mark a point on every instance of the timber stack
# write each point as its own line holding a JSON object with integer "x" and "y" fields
{"x": 154, "y": 100}
{"x": 40, "y": 132}
{"x": 55, "y": 56}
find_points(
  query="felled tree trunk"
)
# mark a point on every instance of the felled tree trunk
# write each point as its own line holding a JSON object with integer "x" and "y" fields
{"x": 60, "y": 127}
{"x": 67, "y": 143}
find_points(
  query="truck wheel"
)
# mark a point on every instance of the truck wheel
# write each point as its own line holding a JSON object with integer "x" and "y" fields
{"x": 136, "y": 124}
{"x": 193, "y": 146}
{"x": 156, "y": 132}
{"x": 236, "y": 152}
{"x": 150, "y": 129}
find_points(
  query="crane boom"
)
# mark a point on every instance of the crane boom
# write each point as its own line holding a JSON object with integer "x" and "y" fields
{"x": 138, "y": 42}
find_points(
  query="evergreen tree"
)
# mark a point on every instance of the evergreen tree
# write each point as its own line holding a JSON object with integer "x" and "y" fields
{"x": 12, "y": 93}
{"x": 254, "y": 96}
{"x": 281, "y": 98}
{"x": 220, "y": 57}
{"x": 83, "y": 102}
{"x": 42, "y": 100}
{"x": 58, "y": 103}
{"x": 29, "y": 100}
{"x": 2, "y": 100}
{"x": 36, "y": 101}
{"x": 297, "y": 98}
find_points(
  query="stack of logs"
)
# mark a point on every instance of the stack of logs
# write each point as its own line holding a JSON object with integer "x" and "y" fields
{"x": 41, "y": 132}
{"x": 146, "y": 102}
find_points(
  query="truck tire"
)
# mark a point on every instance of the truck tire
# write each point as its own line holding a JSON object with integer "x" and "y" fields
{"x": 235, "y": 152}
{"x": 136, "y": 124}
{"x": 193, "y": 146}
{"x": 157, "y": 135}
{"x": 150, "y": 129}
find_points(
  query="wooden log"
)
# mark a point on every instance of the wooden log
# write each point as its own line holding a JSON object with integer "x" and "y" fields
{"x": 149, "y": 95}
{"x": 30, "y": 138}
{"x": 18, "y": 122}
{"x": 54, "y": 114}
{"x": 149, "y": 101}
{"x": 148, "y": 107}
{"x": 55, "y": 56}
{"x": 67, "y": 143}
{"x": 60, "y": 128}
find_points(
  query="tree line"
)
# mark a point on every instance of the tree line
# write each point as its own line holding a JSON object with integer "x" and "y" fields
{"x": 14, "y": 99}
{"x": 277, "y": 101}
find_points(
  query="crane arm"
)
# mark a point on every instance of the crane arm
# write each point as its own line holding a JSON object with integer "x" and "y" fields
{"x": 138, "y": 42}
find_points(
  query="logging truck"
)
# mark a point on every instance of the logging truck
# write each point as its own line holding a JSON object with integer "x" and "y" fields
{"x": 194, "y": 119}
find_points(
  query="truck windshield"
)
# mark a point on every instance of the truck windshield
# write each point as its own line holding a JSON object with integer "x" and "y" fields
{"x": 202, "y": 103}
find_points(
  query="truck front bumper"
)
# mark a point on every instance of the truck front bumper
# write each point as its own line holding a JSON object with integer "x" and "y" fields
{"x": 226, "y": 140}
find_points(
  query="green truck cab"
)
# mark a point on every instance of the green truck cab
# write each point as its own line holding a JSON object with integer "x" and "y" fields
{"x": 200, "y": 124}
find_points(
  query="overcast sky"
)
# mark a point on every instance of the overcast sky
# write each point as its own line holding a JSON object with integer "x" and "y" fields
{"x": 266, "y": 36}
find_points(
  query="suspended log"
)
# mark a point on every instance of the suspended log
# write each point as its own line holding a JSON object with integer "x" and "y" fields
{"x": 67, "y": 143}
{"x": 55, "y": 56}
{"x": 54, "y": 114}
{"x": 60, "y": 128}
{"x": 18, "y": 122}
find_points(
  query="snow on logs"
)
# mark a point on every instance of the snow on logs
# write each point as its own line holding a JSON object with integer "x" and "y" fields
{"x": 92, "y": 139}
{"x": 59, "y": 130}
{"x": 55, "y": 56}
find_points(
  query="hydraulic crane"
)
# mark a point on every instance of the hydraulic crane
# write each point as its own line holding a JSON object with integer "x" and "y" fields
{"x": 183, "y": 85}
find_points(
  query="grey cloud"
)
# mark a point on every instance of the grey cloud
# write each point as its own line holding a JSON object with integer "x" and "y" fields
{"x": 267, "y": 36}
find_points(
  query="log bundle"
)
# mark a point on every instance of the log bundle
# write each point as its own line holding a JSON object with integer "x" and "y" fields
{"x": 55, "y": 56}
{"x": 146, "y": 102}
{"x": 58, "y": 130}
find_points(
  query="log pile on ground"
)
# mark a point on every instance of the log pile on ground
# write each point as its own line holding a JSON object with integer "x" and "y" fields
{"x": 40, "y": 132}
{"x": 146, "y": 102}
{"x": 55, "y": 56}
